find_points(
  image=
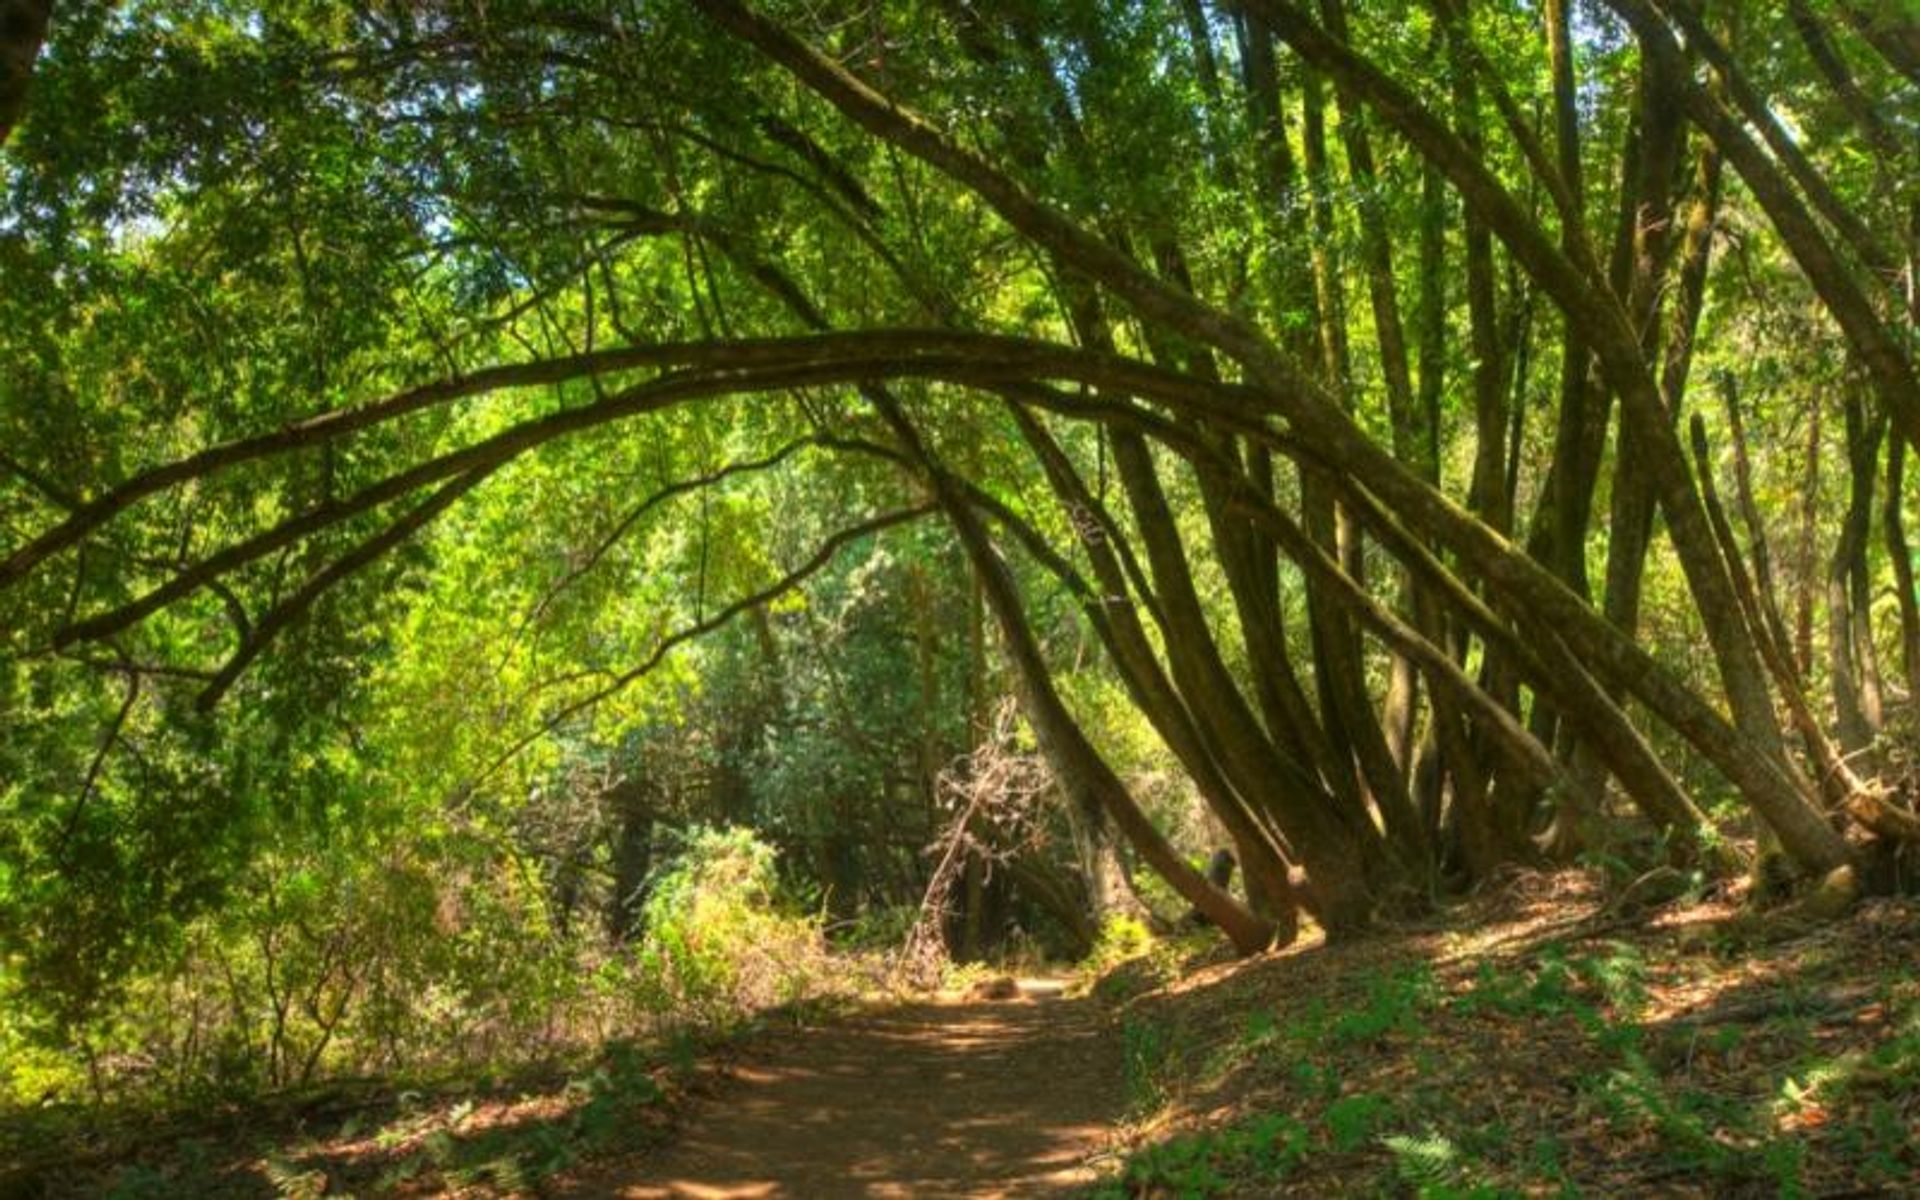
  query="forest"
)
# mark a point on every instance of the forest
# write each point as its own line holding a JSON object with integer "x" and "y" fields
{"x": 1188, "y": 597}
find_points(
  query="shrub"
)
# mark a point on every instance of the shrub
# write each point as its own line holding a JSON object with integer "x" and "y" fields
{"x": 1121, "y": 938}
{"x": 1129, "y": 960}
{"x": 720, "y": 941}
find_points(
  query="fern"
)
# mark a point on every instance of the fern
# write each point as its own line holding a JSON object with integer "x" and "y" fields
{"x": 291, "y": 1183}
{"x": 1424, "y": 1163}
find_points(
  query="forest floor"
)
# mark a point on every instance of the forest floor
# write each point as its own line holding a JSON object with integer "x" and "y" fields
{"x": 1537, "y": 1040}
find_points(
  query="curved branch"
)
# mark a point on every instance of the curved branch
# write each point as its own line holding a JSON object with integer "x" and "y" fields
{"x": 893, "y": 351}
{"x": 731, "y": 367}
{"x": 313, "y": 431}
{"x": 492, "y": 452}
{"x": 632, "y": 517}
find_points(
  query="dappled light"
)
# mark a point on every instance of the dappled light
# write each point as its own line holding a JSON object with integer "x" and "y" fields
{"x": 964, "y": 1098}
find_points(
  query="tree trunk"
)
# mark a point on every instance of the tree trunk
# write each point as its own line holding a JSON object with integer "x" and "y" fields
{"x": 1849, "y": 641}
{"x": 1078, "y": 768}
{"x": 632, "y": 857}
{"x": 1900, "y": 555}
{"x": 23, "y": 26}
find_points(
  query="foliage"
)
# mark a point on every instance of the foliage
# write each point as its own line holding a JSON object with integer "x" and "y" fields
{"x": 875, "y": 929}
{"x": 423, "y": 961}
{"x": 720, "y": 942}
{"x": 1431, "y": 1165}
{"x": 1123, "y": 937}
{"x": 1232, "y": 1160}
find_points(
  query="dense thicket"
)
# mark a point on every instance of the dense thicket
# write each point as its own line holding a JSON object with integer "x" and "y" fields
{"x": 1395, "y": 441}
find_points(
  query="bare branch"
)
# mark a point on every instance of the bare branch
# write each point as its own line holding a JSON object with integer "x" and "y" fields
{"x": 108, "y": 741}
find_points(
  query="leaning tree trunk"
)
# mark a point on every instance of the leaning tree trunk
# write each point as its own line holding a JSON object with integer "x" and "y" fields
{"x": 1900, "y": 555}
{"x": 1076, "y": 765}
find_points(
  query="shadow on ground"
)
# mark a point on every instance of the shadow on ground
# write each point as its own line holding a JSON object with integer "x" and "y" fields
{"x": 976, "y": 1099}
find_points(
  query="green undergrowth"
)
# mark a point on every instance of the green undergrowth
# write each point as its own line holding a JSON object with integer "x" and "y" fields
{"x": 476, "y": 1135}
{"x": 1129, "y": 960}
{"x": 1626, "y": 1065}
{"x": 479, "y": 1135}
{"x": 725, "y": 955}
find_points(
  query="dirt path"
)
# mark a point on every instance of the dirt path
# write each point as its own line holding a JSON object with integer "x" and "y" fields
{"x": 964, "y": 1099}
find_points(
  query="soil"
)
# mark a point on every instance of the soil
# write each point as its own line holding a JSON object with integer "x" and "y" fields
{"x": 964, "y": 1098}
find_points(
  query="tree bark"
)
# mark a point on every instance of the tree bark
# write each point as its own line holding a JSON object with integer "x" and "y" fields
{"x": 1849, "y": 636}
{"x": 1900, "y": 554}
{"x": 23, "y": 27}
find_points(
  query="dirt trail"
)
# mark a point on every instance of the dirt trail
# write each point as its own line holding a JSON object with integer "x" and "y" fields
{"x": 963, "y": 1099}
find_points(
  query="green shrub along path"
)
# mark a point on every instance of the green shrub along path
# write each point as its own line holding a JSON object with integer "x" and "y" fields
{"x": 976, "y": 1097}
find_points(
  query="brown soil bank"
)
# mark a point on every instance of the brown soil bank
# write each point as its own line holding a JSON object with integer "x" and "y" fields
{"x": 1541, "y": 1040}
